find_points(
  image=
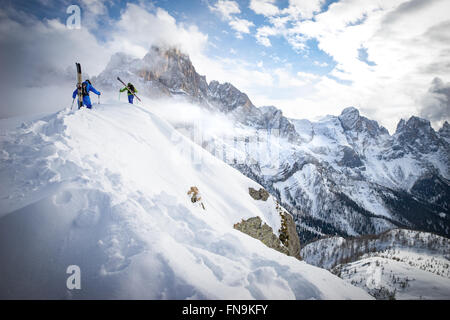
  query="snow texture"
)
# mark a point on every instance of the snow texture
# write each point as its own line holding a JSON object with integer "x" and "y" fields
{"x": 106, "y": 189}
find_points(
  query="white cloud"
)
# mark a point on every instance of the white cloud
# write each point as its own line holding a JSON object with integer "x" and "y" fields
{"x": 97, "y": 7}
{"x": 264, "y": 7}
{"x": 162, "y": 29}
{"x": 303, "y": 9}
{"x": 407, "y": 41}
{"x": 436, "y": 104}
{"x": 240, "y": 26}
{"x": 263, "y": 34}
{"x": 226, "y": 8}
{"x": 320, "y": 64}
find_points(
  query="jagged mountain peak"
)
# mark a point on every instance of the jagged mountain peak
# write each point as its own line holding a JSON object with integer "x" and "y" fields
{"x": 351, "y": 120}
{"x": 415, "y": 124}
{"x": 400, "y": 125}
{"x": 227, "y": 97}
{"x": 417, "y": 133}
{"x": 166, "y": 56}
{"x": 174, "y": 70}
{"x": 270, "y": 109}
{"x": 349, "y": 117}
{"x": 350, "y": 110}
{"x": 445, "y": 130}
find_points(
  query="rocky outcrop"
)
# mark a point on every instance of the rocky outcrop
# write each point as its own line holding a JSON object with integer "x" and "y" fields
{"x": 352, "y": 120}
{"x": 227, "y": 97}
{"x": 288, "y": 233}
{"x": 273, "y": 119}
{"x": 255, "y": 228}
{"x": 444, "y": 132}
{"x": 260, "y": 194}
{"x": 287, "y": 242}
{"x": 174, "y": 70}
{"x": 350, "y": 158}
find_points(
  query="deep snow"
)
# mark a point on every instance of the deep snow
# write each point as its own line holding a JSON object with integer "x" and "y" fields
{"x": 106, "y": 189}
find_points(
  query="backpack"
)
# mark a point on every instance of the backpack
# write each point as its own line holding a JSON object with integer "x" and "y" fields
{"x": 84, "y": 90}
{"x": 132, "y": 88}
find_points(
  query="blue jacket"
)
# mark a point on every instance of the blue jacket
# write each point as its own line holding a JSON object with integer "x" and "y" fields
{"x": 88, "y": 89}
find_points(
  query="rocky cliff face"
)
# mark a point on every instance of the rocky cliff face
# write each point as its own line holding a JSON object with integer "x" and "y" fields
{"x": 174, "y": 71}
{"x": 287, "y": 240}
{"x": 444, "y": 132}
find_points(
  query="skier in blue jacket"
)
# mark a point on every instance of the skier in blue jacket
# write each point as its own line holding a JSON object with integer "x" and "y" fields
{"x": 86, "y": 88}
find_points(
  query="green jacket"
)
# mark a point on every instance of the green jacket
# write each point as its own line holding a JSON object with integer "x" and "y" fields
{"x": 129, "y": 92}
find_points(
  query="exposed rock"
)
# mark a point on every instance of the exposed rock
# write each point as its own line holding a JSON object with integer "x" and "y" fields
{"x": 260, "y": 194}
{"x": 255, "y": 228}
{"x": 352, "y": 120}
{"x": 349, "y": 118}
{"x": 350, "y": 158}
{"x": 417, "y": 134}
{"x": 175, "y": 71}
{"x": 227, "y": 97}
{"x": 273, "y": 119}
{"x": 444, "y": 132}
{"x": 288, "y": 233}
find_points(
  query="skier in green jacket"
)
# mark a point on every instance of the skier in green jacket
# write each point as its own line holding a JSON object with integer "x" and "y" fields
{"x": 130, "y": 93}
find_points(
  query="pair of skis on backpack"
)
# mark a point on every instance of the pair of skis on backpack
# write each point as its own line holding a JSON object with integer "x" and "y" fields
{"x": 80, "y": 86}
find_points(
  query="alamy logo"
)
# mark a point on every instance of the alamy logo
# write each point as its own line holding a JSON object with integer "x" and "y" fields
{"x": 74, "y": 280}
{"x": 74, "y": 20}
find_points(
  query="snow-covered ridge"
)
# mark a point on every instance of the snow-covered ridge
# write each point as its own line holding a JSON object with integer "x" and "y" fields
{"x": 106, "y": 189}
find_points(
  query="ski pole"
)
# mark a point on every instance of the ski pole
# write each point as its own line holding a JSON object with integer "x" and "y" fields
{"x": 98, "y": 99}
{"x": 71, "y": 107}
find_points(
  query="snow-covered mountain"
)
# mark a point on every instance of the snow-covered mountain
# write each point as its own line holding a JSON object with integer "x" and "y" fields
{"x": 107, "y": 190}
{"x": 342, "y": 175}
{"x": 400, "y": 264}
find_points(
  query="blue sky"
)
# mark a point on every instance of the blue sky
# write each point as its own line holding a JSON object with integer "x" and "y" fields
{"x": 308, "y": 57}
{"x": 222, "y": 37}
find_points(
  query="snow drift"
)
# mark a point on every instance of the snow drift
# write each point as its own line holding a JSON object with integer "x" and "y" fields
{"x": 105, "y": 189}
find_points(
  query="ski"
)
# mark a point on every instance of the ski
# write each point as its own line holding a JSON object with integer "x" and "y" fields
{"x": 79, "y": 86}
{"x": 128, "y": 89}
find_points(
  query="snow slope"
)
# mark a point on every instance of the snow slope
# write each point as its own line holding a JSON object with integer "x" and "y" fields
{"x": 106, "y": 189}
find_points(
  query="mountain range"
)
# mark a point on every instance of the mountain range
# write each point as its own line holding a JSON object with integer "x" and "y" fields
{"x": 342, "y": 175}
